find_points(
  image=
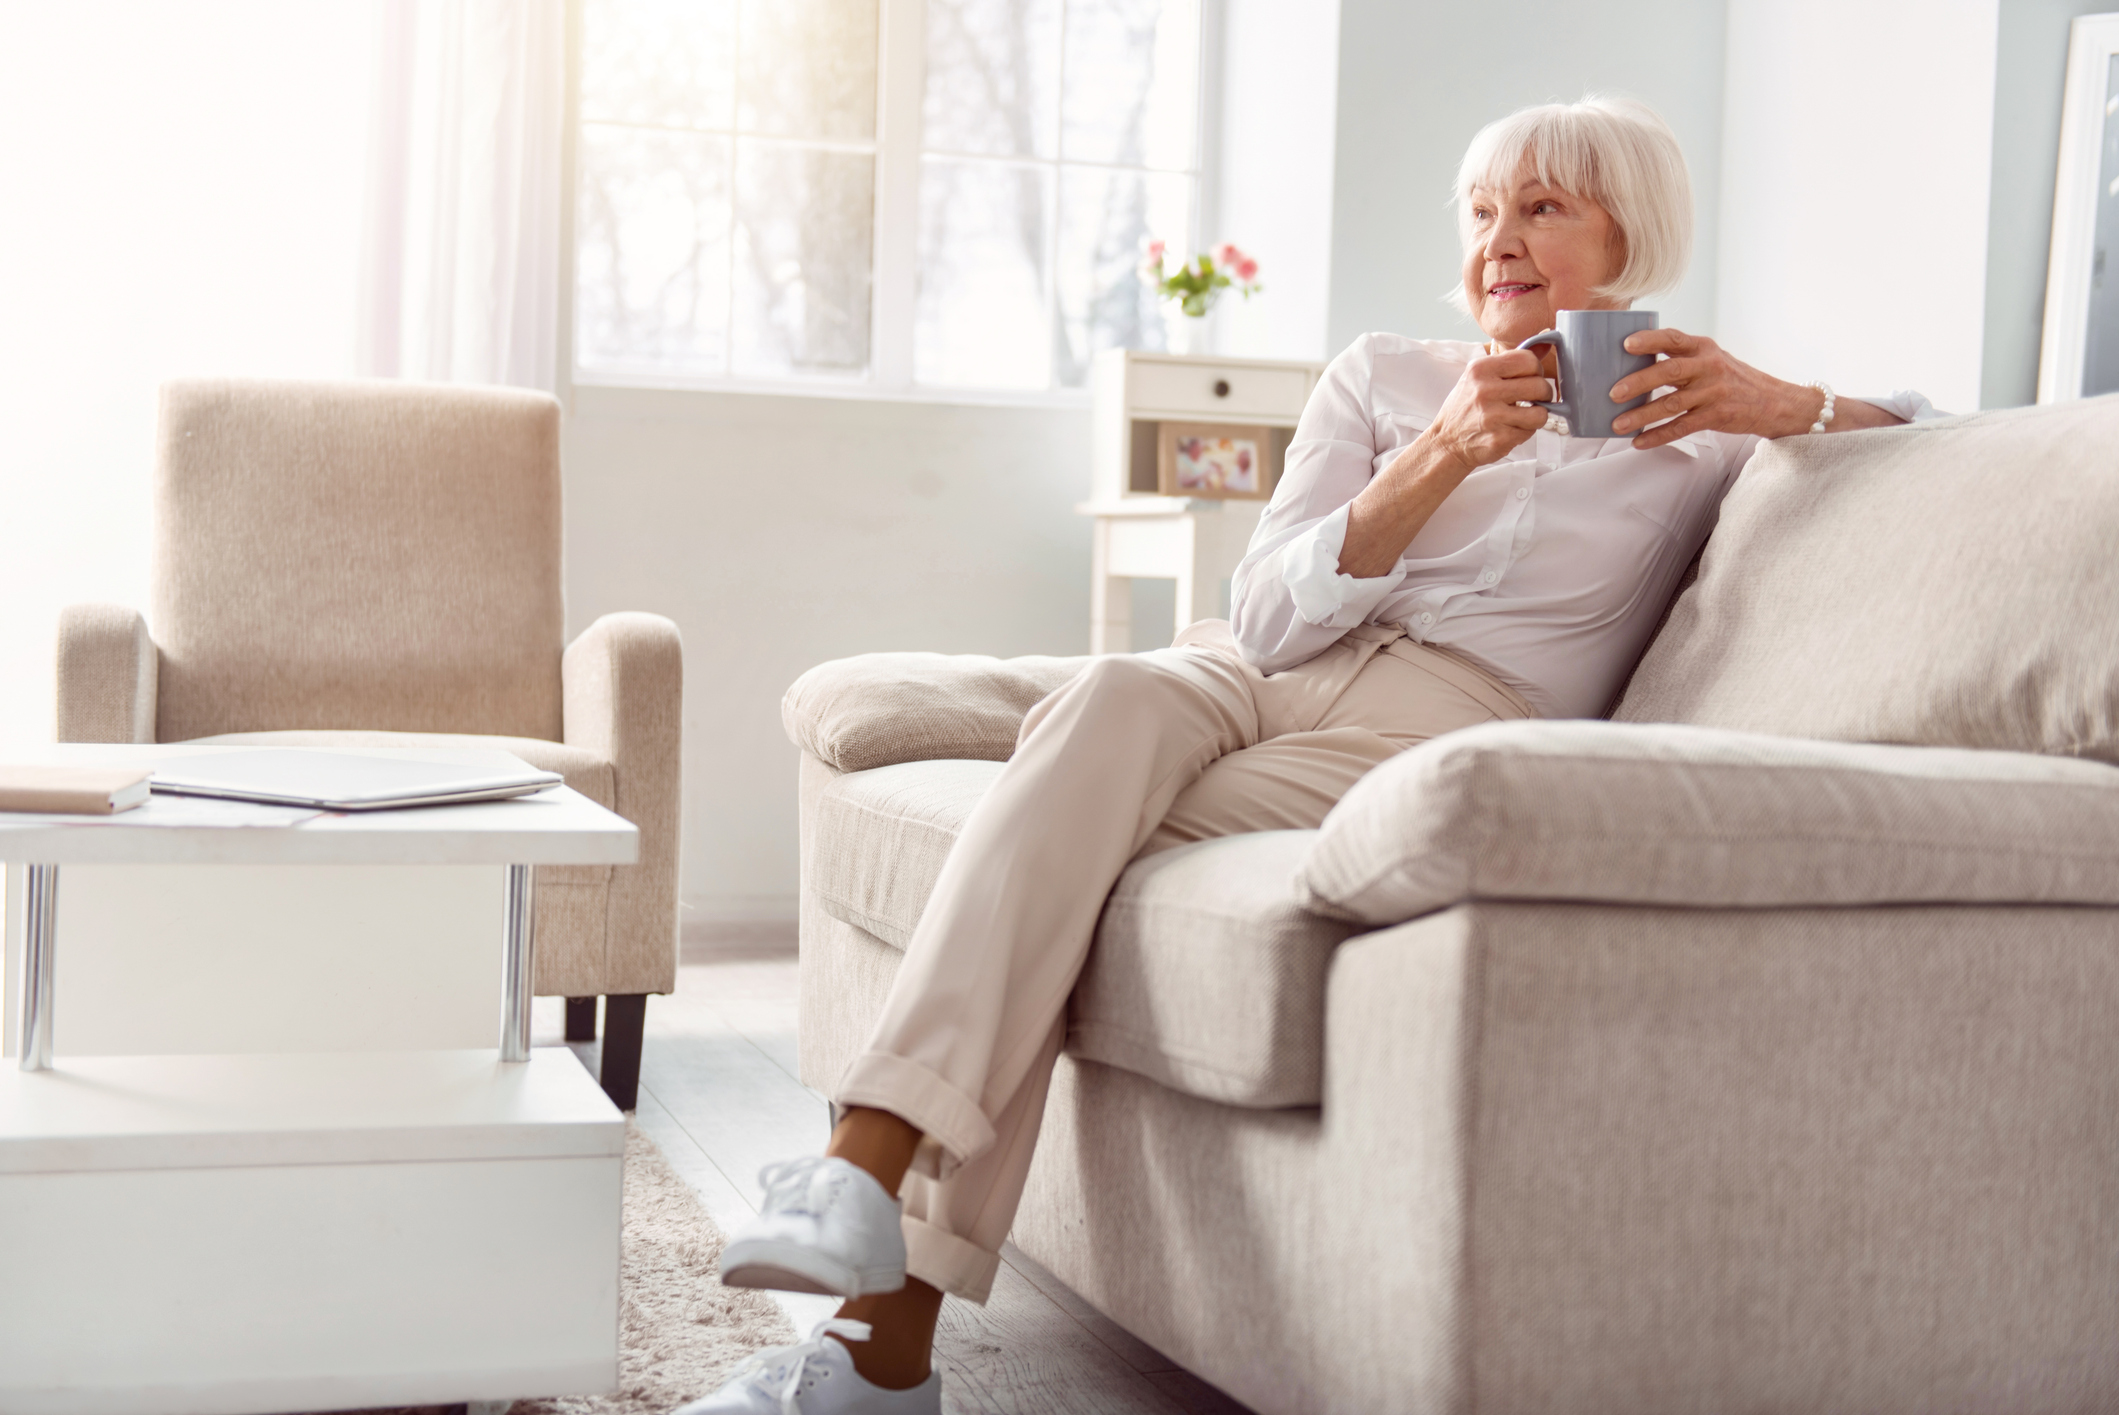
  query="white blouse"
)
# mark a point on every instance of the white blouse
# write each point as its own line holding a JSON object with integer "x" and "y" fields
{"x": 1549, "y": 568}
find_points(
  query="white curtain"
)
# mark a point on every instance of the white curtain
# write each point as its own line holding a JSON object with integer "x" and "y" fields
{"x": 460, "y": 251}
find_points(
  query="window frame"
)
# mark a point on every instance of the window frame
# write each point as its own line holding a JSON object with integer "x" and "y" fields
{"x": 901, "y": 78}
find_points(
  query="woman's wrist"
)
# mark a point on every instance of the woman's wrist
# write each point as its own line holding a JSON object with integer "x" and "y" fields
{"x": 1387, "y": 513}
{"x": 1801, "y": 405}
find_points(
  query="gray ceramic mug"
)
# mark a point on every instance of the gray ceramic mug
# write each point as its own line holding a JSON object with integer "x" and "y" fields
{"x": 1592, "y": 349}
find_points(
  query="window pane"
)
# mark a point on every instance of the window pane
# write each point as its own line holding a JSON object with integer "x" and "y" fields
{"x": 992, "y": 76}
{"x": 803, "y": 241}
{"x": 809, "y": 68}
{"x": 668, "y": 63}
{"x": 651, "y": 257}
{"x": 1132, "y": 82}
{"x": 1104, "y": 304}
{"x": 981, "y": 317}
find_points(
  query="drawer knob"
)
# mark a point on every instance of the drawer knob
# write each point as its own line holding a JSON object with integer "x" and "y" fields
{"x": 1221, "y": 388}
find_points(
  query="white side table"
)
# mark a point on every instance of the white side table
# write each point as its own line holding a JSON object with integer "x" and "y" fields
{"x": 1140, "y": 534}
{"x": 259, "y": 1232}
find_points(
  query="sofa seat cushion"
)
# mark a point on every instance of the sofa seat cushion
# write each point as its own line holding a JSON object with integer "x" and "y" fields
{"x": 584, "y": 771}
{"x": 1699, "y": 818}
{"x": 1207, "y": 974}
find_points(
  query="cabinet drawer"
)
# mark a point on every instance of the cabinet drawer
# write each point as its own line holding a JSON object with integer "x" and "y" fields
{"x": 1189, "y": 388}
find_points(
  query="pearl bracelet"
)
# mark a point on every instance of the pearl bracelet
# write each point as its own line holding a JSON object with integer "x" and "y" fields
{"x": 1824, "y": 414}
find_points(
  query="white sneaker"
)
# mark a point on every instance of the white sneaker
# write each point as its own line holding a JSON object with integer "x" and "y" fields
{"x": 827, "y": 1227}
{"x": 815, "y": 1377}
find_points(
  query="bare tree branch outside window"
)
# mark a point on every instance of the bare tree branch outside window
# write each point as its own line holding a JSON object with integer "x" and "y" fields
{"x": 728, "y": 181}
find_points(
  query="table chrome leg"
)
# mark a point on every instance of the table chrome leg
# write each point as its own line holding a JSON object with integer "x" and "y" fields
{"x": 516, "y": 955}
{"x": 33, "y": 1024}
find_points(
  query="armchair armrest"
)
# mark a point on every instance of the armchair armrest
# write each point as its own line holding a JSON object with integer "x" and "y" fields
{"x": 622, "y": 686}
{"x": 1702, "y": 818}
{"x": 108, "y": 670}
{"x": 878, "y": 709}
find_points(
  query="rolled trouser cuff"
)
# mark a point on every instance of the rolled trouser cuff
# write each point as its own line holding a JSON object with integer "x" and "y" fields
{"x": 919, "y": 1097}
{"x": 958, "y": 1266}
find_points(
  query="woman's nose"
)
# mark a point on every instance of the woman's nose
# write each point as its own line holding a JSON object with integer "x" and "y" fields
{"x": 1504, "y": 240}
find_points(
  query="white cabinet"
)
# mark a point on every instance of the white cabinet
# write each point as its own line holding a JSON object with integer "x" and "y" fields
{"x": 1140, "y": 534}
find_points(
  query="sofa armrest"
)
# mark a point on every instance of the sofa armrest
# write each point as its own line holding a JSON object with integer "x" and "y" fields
{"x": 623, "y": 694}
{"x": 878, "y": 709}
{"x": 108, "y": 669}
{"x": 1702, "y": 818}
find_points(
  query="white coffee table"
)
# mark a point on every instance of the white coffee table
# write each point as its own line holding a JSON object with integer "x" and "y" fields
{"x": 266, "y": 1232}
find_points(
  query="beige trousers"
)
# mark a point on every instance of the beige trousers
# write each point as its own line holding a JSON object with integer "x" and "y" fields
{"x": 1140, "y": 753}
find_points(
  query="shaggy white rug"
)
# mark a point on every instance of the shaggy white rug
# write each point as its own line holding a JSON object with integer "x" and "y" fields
{"x": 679, "y": 1329}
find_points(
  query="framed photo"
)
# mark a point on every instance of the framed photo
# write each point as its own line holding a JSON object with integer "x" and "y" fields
{"x": 2078, "y": 356}
{"x": 1216, "y": 461}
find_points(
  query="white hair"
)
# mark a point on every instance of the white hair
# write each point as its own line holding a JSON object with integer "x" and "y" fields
{"x": 1617, "y": 152}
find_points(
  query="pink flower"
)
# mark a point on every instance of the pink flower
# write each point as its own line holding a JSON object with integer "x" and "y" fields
{"x": 1227, "y": 254}
{"x": 1246, "y": 269}
{"x": 1154, "y": 251}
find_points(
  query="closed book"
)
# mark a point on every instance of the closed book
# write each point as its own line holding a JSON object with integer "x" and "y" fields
{"x": 72, "y": 790}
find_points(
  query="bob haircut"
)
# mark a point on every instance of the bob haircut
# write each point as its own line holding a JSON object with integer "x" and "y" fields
{"x": 1617, "y": 152}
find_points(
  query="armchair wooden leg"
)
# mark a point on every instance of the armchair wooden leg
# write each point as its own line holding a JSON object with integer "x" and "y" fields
{"x": 581, "y": 1019}
{"x": 624, "y": 1017}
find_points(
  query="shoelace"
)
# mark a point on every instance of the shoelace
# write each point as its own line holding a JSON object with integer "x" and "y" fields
{"x": 762, "y": 1368}
{"x": 788, "y": 1185}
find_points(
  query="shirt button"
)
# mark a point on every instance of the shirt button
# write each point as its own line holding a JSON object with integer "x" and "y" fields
{"x": 1522, "y": 493}
{"x": 1427, "y": 619}
{"x": 1489, "y": 577}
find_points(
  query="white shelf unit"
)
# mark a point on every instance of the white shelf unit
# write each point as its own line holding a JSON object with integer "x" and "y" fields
{"x": 1140, "y": 534}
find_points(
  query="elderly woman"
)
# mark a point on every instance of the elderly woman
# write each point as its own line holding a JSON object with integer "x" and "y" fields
{"x": 1438, "y": 554}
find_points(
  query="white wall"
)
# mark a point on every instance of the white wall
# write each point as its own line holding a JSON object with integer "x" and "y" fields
{"x": 1271, "y": 188}
{"x": 1856, "y": 154}
{"x": 779, "y": 532}
{"x": 182, "y": 191}
{"x": 1417, "y": 78}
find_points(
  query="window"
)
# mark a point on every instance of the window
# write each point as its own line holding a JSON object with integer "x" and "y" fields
{"x": 878, "y": 193}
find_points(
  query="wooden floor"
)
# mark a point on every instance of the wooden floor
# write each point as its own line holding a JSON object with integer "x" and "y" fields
{"x": 719, "y": 1095}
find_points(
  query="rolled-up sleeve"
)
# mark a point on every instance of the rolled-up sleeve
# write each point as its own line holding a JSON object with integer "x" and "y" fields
{"x": 1288, "y": 601}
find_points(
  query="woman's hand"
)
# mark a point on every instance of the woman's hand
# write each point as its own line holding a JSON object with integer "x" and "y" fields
{"x": 1713, "y": 391}
{"x": 1482, "y": 420}
{"x": 1479, "y": 423}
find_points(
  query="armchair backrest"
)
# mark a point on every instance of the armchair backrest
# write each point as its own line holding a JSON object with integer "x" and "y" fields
{"x": 357, "y": 555}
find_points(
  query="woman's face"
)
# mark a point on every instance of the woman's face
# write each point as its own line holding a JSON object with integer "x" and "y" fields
{"x": 1535, "y": 251}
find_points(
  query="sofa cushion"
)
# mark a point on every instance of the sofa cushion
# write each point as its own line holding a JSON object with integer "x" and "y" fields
{"x": 1695, "y": 817}
{"x": 880, "y": 836}
{"x": 1207, "y": 975}
{"x": 878, "y": 709}
{"x": 1945, "y": 584}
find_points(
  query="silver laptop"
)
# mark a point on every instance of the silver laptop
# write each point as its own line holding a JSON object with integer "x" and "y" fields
{"x": 345, "y": 781}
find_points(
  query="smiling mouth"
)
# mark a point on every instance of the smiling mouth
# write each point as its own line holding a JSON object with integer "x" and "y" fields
{"x": 1510, "y": 290}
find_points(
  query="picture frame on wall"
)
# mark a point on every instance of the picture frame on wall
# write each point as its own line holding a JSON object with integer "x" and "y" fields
{"x": 2078, "y": 354}
{"x": 1217, "y": 461}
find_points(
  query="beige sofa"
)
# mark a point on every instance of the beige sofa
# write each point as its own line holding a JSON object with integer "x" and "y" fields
{"x": 377, "y": 563}
{"x": 1714, "y": 1058}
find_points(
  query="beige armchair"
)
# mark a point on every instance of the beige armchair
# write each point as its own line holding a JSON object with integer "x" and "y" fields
{"x": 378, "y": 563}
